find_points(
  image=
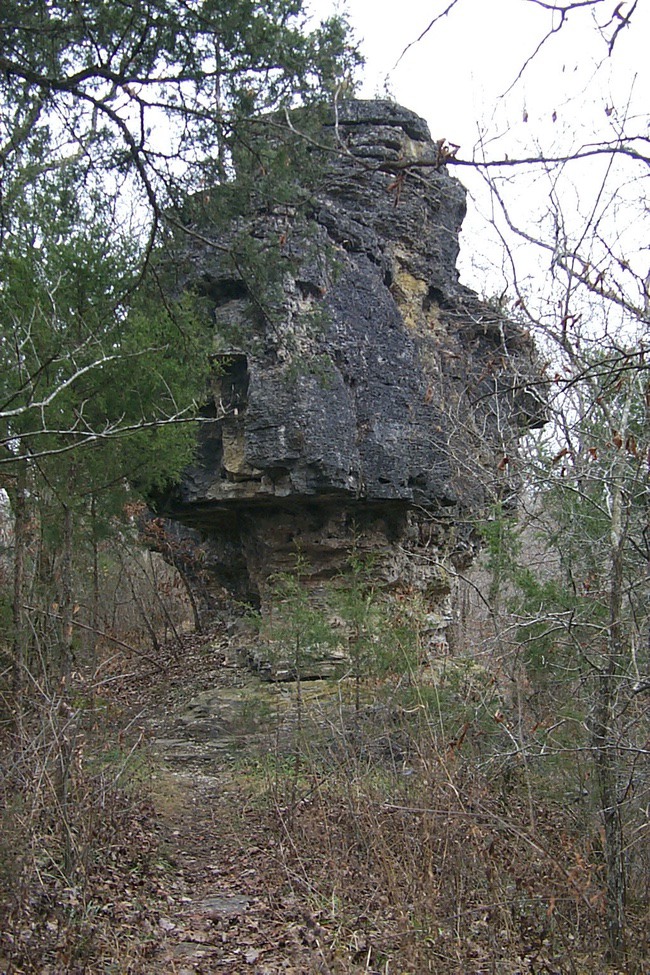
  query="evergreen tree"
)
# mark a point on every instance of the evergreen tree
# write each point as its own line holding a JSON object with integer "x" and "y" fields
{"x": 115, "y": 122}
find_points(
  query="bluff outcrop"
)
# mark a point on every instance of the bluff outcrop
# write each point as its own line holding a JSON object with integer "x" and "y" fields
{"x": 368, "y": 400}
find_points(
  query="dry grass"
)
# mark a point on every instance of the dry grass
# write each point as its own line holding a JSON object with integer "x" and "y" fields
{"x": 398, "y": 839}
{"x": 411, "y": 860}
{"x": 78, "y": 849}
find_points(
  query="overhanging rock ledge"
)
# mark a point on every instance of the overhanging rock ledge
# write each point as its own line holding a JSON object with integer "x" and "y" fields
{"x": 365, "y": 404}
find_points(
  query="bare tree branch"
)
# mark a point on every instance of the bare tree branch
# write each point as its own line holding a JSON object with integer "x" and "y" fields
{"x": 426, "y": 30}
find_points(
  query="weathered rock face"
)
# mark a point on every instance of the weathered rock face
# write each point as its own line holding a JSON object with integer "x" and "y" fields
{"x": 361, "y": 402}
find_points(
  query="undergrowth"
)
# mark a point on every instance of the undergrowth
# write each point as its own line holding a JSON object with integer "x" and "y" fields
{"x": 413, "y": 856}
{"x": 404, "y": 817}
{"x": 77, "y": 847}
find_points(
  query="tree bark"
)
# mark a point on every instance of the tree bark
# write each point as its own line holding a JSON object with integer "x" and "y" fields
{"x": 21, "y": 520}
{"x": 605, "y": 733}
{"x": 67, "y": 609}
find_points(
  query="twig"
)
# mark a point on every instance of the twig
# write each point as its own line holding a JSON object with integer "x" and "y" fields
{"x": 102, "y": 633}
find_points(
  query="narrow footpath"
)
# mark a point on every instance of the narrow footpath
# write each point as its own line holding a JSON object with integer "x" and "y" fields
{"x": 233, "y": 907}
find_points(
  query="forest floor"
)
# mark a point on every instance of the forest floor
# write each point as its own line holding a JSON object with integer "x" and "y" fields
{"x": 232, "y": 907}
{"x": 253, "y": 828}
{"x": 317, "y": 844}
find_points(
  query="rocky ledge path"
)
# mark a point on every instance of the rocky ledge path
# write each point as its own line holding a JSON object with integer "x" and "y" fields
{"x": 216, "y": 733}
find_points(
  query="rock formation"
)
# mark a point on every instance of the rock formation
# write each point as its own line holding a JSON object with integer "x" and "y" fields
{"x": 368, "y": 400}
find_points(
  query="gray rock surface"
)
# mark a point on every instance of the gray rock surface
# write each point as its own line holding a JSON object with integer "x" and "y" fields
{"x": 368, "y": 399}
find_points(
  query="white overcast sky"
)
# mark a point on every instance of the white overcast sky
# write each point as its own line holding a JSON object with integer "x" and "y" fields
{"x": 460, "y": 76}
{"x": 456, "y": 74}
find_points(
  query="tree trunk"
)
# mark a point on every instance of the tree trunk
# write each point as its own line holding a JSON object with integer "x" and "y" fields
{"x": 95, "y": 627}
{"x": 605, "y": 734}
{"x": 21, "y": 520}
{"x": 67, "y": 609}
{"x": 196, "y": 613}
{"x": 605, "y": 761}
{"x": 67, "y": 718}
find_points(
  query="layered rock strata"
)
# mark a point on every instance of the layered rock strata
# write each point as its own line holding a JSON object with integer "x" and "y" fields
{"x": 369, "y": 402}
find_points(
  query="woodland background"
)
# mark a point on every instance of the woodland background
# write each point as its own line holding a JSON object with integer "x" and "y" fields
{"x": 509, "y": 830}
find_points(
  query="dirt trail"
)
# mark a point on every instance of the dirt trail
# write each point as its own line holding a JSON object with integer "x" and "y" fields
{"x": 232, "y": 908}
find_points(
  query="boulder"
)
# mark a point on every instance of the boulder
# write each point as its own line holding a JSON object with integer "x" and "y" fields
{"x": 368, "y": 402}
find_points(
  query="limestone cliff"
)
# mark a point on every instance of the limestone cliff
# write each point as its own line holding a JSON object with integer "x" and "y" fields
{"x": 368, "y": 399}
